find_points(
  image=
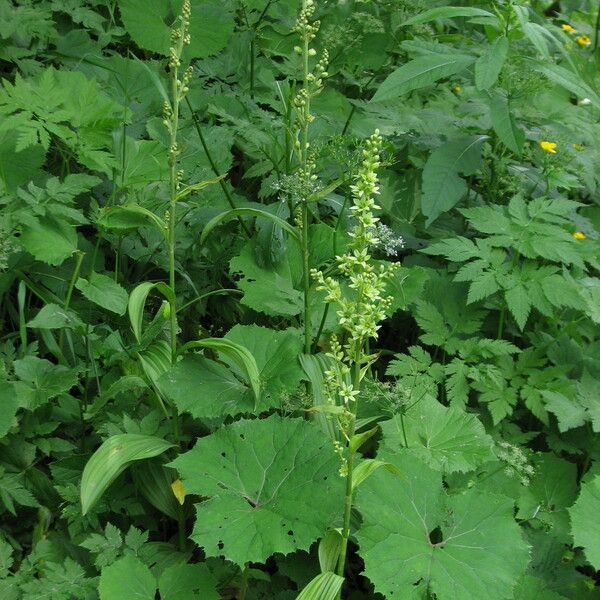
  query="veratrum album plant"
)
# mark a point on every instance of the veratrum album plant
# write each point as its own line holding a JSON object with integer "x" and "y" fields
{"x": 299, "y": 300}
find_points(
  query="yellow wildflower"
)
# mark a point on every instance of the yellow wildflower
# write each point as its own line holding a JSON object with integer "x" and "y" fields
{"x": 579, "y": 235}
{"x": 548, "y": 147}
{"x": 578, "y": 147}
{"x": 568, "y": 28}
{"x": 457, "y": 89}
{"x": 583, "y": 40}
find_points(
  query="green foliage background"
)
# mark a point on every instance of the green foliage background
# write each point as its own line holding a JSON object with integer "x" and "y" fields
{"x": 212, "y": 470}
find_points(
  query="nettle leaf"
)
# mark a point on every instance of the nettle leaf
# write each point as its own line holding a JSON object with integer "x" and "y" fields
{"x": 104, "y": 291}
{"x": 415, "y": 538}
{"x": 585, "y": 527}
{"x": 504, "y": 124}
{"x": 447, "y": 439}
{"x": 273, "y": 486}
{"x": 127, "y": 579}
{"x": 490, "y": 63}
{"x": 52, "y": 241}
{"x": 420, "y": 72}
{"x": 52, "y": 316}
{"x": 211, "y": 25}
{"x": 9, "y": 404}
{"x": 442, "y": 185}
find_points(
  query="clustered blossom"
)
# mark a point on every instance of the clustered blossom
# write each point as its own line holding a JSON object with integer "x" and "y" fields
{"x": 389, "y": 242}
{"x": 361, "y": 312}
{"x": 516, "y": 462}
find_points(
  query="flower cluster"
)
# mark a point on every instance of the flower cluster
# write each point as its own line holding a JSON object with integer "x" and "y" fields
{"x": 516, "y": 462}
{"x": 361, "y": 311}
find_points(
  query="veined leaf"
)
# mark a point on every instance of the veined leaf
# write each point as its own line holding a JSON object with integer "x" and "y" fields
{"x": 329, "y": 550}
{"x": 447, "y": 12}
{"x": 324, "y": 586}
{"x": 420, "y": 72}
{"x": 489, "y": 64}
{"x": 255, "y": 212}
{"x": 196, "y": 187}
{"x": 238, "y": 353}
{"x": 137, "y": 303}
{"x": 570, "y": 81}
{"x": 585, "y": 527}
{"x": 442, "y": 186}
{"x": 111, "y": 459}
{"x": 130, "y": 216}
{"x": 504, "y": 125}
{"x": 273, "y": 486}
{"x": 103, "y": 291}
{"x": 127, "y": 579}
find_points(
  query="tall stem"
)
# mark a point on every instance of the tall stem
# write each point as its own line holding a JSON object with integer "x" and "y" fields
{"x": 67, "y": 304}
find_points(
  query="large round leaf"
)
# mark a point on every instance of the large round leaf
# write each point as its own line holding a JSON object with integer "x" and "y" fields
{"x": 149, "y": 24}
{"x": 585, "y": 527}
{"x": 272, "y": 486}
{"x": 416, "y": 537}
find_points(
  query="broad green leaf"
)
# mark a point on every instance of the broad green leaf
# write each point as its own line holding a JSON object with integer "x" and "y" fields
{"x": 533, "y": 588}
{"x": 274, "y": 292}
{"x": 420, "y": 72}
{"x": 504, "y": 125}
{"x": 154, "y": 481}
{"x": 324, "y": 586}
{"x": 415, "y": 538}
{"x": 272, "y": 486}
{"x": 127, "y": 579}
{"x": 447, "y": 439}
{"x": 568, "y": 411}
{"x": 205, "y": 388}
{"x": 239, "y": 354}
{"x": 149, "y": 24}
{"x": 442, "y": 186}
{"x": 447, "y": 12}
{"x": 111, "y": 459}
{"x": 188, "y": 582}
{"x": 490, "y": 63}
{"x": 130, "y": 216}
{"x": 9, "y": 405}
{"x": 52, "y": 316}
{"x": 570, "y": 81}
{"x": 137, "y": 303}
{"x": 254, "y": 212}
{"x": 103, "y": 291}
{"x": 330, "y": 547}
{"x": 17, "y": 168}
{"x": 584, "y": 521}
{"x": 52, "y": 240}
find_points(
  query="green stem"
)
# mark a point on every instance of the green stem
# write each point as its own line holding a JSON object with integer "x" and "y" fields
{"x": 74, "y": 277}
{"x": 244, "y": 582}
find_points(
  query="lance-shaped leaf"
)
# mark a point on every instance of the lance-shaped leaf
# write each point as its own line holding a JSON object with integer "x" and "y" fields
{"x": 447, "y": 12}
{"x": 111, "y": 459}
{"x": 419, "y": 73}
{"x": 447, "y": 439}
{"x": 323, "y": 587}
{"x": 415, "y": 538}
{"x": 130, "y": 216}
{"x": 586, "y": 527}
{"x": 196, "y": 187}
{"x": 272, "y": 486}
{"x": 137, "y": 302}
{"x": 254, "y": 212}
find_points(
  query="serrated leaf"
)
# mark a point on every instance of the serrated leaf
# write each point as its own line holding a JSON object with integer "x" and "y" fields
{"x": 490, "y": 63}
{"x": 585, "y": 527}
{"x": 442, "y": 185}
{"x": 420, "y": 72}
{"x": 504, "y": 125}
{"x": 111, "y": 459}
{"x": 52, "y": 316}
{"x": 457, "y": 249}
{"x": 273, "y": 486}
{"x": 404, "y": 560}
{"x": 104, "y": 291}
{"x": 127, "y": 579}
{"x": 569, "y": 412}
{"x": 447, "y": 439}
{"x": 485, "y": 285}
{"x": 52, "y": 241}
{"x": 188, "y": 582}
{"x": 9, "y": 405}
{"x": 519, "y": 304}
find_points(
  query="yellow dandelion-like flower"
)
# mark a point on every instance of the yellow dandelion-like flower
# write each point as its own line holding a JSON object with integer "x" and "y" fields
{"x": 583, "y": 40}
{"x": 549, "y": 147}
{"x": 568, "y": 28}
{"x": 578, "y": 147}
{"x": 457, "y": 89}
{"x": 579, "y": 235}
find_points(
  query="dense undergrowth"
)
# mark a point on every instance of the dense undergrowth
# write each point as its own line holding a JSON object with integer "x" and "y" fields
{"x": 299, "y": 300}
